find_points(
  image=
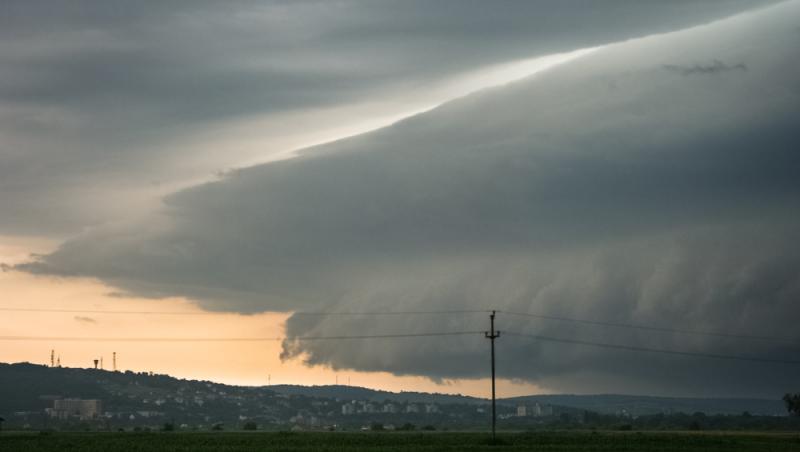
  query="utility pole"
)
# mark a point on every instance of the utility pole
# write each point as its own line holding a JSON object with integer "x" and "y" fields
{"x": 492, "y": 335}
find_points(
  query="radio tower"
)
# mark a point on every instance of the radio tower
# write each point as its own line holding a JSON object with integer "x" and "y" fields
{"x": 52, "y": 358}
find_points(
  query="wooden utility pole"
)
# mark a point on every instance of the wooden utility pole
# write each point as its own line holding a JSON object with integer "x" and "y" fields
{"x": 492, "y": 335}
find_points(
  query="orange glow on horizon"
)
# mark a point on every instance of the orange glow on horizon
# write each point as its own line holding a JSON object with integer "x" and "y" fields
{"x": 240, "y": 363}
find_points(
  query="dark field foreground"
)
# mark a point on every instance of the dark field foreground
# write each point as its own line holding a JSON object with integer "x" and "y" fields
{"x": 256, "y": 441}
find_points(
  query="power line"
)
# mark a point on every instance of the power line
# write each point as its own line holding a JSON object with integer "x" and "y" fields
{"x": 233, "y": 339}
{"x": 654, "y": 328}
{"x": 653, "y": 350}
{"x": 406, "y": 335}
{"x": 299, "y": 313}
{"x": 390, "y": 313}
{"x": 385, "y": 336}
{"x": 425, "y": 312}
{"x": 101, "y": 311}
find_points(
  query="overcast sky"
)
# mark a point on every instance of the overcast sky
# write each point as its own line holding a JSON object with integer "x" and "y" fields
{"x": 111, "y": 104}
{"x": 654, "y": 180}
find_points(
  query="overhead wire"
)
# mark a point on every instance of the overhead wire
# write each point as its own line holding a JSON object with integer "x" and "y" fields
{"x": 103, "y": 311}
{"x": 391, "y": 313}
{"x": 653, "y": 350}
{"x": 412, "y": 335}
{"x": 653, "y": 328}
{"x": 300, "y": 313}
{"x": 634, "y": 326}
{"x": 233, "y": 339}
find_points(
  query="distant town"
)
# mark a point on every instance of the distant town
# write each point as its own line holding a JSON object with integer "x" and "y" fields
{"x": 42, "y": 397}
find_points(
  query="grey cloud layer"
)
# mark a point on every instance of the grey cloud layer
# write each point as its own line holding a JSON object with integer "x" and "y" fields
{"x": 95, "y": 97}
{"x": 611, "y": 188}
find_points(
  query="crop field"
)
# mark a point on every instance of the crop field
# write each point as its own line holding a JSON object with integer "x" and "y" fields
{"x": 268, "y": 441}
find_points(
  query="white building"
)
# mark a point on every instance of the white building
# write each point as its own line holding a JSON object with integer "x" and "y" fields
{"x": 542, "y": 410}
{"x": 368, "y": 408}
{"x": 81, "y": 408}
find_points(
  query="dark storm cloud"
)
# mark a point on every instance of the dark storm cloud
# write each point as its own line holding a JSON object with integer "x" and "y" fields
{"x": 712, "y": 68}
{"x": 608, "y": 189}
{"x": 96, "y": 96}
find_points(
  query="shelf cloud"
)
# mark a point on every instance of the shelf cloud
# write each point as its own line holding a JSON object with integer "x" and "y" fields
{"x": 107, "y": 106}
{"x": 654, "y": 181}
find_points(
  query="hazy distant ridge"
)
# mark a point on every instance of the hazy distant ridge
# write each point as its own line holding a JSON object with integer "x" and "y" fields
{"x": 22, "y": 387}
{"x": 640, "y": 405}
{"x": 359, "y": 393}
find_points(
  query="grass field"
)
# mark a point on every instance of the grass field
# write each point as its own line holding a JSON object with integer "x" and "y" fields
{"x": 261, "y": 441}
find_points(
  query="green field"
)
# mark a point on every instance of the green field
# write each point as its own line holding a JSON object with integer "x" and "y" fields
{"x": 261, "y": 441}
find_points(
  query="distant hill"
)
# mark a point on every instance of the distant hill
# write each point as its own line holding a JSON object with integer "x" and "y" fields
{"x": 643, "y": 405}
{"x": 30, "y": 387}
{"x": 133, "y": 400}
{"x": 358, "y": 393}
{"x": 604, "y": 403}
